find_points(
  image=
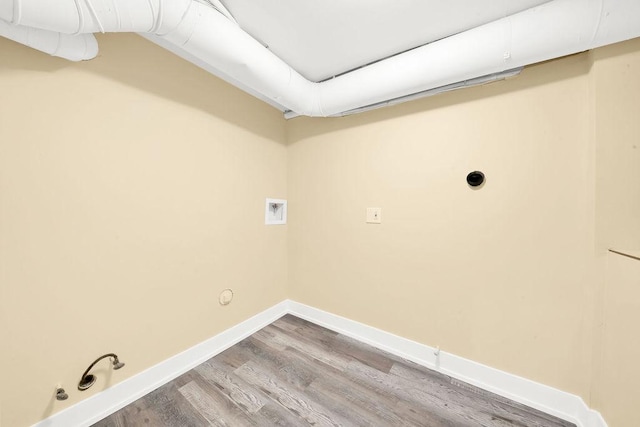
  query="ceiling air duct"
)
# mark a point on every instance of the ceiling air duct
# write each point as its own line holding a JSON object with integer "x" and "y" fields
{"x": 204, "y": 34}
{"x": 74, "y": 48}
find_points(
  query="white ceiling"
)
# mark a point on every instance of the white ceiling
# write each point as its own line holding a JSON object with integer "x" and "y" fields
{"x": 321, "y": 39}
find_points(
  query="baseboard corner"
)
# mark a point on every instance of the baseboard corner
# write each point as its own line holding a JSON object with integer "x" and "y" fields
{"x": 555, "y": 402}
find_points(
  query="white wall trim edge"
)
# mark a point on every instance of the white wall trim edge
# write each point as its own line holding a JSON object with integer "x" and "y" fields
{"x": 547, "y": 399}
{"x": 561, "y": 404}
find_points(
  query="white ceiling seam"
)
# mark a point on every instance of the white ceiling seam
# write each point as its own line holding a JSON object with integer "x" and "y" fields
{"x": 543, "y": 32}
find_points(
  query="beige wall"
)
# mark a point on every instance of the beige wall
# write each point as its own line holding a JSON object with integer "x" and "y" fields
{"x": 616, "y": 81}
{"x": 513, "y": 275}
{"x": 498, "y": 275}
{"x": 615, "y": 392}
{"x": 132, "y": 189}
{"x": 132, "y": 192}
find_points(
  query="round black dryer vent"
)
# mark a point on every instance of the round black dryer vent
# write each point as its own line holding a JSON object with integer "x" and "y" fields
{"x": 475, "y": 178}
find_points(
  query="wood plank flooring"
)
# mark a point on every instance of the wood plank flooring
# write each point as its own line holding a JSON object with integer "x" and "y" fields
{"x": 295, "y": 373}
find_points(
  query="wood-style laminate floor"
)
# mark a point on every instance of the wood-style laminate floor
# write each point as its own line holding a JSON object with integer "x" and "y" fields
{"x": 295, "y": 373}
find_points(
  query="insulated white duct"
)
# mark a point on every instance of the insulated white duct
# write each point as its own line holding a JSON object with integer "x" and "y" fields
{"x": 212, "y": 38}
{"x": 64, "y": 28}
{"x": 73, "y": 48}
{"x": 551, "y": 30}
{"x": 92, "y": 16}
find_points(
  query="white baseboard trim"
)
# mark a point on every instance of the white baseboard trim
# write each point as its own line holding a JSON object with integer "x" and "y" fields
{"x": 555, "y": 402}
{"x": 547, "y": 399}
{"x": 101, "y": 405}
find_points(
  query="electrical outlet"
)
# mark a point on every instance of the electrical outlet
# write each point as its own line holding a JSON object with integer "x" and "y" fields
{"x": 374, "y": 215}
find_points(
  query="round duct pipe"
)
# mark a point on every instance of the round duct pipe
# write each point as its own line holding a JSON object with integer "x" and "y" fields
{"x": 551, "y": 30}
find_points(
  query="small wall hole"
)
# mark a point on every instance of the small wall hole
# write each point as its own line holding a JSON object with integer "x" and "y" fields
{"x": 475, "y": 179}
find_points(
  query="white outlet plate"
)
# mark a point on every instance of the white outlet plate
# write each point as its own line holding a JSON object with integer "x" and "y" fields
{"x": 374, "y": 215}
{"x": 275, "y": 212}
